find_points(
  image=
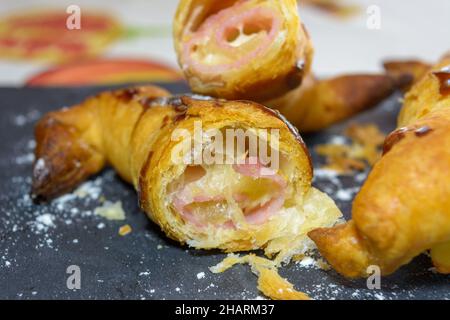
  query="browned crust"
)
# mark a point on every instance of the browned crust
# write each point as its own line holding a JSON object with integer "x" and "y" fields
{"x": 406, "y": 72}
{"x": 144, "y": 183}
{"x": 292, "y": 129}
{"x": 63, "y": 160}
{"x": 403, "y": 207}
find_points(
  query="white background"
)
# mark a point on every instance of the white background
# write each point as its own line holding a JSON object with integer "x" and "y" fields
{"x": 409, "y": 28}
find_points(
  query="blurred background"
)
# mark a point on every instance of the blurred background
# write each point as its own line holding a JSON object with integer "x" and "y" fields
{"x": 130, "y": 40}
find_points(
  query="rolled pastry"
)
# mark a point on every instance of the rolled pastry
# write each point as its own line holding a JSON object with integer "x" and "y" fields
{"x": 242, "y": 49}
{"x": 320, "y": 103}
{"x": 153, "y": 140}
{"x": 403, "y": 209}
{"x": 260, "y": 50}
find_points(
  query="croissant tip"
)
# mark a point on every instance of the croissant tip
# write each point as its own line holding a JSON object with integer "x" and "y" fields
{"x": 317, "y": 234}
{"x": 37, "y": 198}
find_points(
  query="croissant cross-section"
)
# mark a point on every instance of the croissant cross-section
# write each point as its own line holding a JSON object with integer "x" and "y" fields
{"x": 257, "y": 200}
{"x": 239, "y": 49}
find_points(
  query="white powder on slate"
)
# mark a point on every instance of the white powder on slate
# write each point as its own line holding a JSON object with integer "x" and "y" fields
{"x": 360, "y": 177}
{"x": 43, "y": 222}
{"x": 200, "y": 275}
{"x": 307, "y": 262}
{"x": 22, "y": 119}
{"x": 25, "y": 159}
{"x": 340, "y": 140}
{"x": 346, "y": 194}
{"x": 327, "y": 174}
{"x": 379, "y": 296}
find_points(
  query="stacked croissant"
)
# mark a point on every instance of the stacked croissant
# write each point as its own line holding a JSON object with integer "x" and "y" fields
{"x": 259, "y": 50}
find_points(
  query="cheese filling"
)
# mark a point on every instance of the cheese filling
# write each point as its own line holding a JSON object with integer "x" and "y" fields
{"x": 228, "y": 196}
{"x": 231, "y": 37}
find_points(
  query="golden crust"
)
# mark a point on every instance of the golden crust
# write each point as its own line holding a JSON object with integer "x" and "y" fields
{"x": 424, "y": 97}
{"x": 403, "y": 207}
{"x": 272, "y": 285}
{"x": 440, "y": 255}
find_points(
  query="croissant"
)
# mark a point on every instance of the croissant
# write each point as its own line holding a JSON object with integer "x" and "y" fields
{"x": 403, "y": 209}
{"x": 153, "y": 141}
{"x": 319, "y": 103}
{"x": 260, "y": 50}
{"x": 235, "y": 49}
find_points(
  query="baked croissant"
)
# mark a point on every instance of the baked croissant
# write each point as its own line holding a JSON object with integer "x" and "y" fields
{"x": 239, "y": 49}
{"x": 403, "y": 209}
{"x": 319, "y": 103}
{"x": 148, "y": 137}
{"x": 260, "y": 50}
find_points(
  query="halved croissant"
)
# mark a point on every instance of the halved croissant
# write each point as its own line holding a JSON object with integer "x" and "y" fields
{"x": 142, "y": 132}
{"x": 403, "y": 208}
{"x": 260, "y": 50}
{"x": 234, "y": 49}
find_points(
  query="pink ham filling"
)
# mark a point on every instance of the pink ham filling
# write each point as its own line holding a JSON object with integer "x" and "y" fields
{"x": 255, "y": 216}
{"x": 220, "y": 28}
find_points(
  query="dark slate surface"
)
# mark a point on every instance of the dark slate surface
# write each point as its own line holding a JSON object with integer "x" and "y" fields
{"x": 145, "y": 264}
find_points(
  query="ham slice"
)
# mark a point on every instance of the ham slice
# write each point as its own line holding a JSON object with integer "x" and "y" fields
{"x": 255, "y": 216}
{"x": 217, "y": 30}
{"x": 253, "y": 168}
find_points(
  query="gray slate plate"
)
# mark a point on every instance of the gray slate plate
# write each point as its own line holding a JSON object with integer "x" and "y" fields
{"x": 35, "y": 251}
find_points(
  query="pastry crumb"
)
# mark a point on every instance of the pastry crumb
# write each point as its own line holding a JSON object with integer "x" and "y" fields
{"x": 124, "y": 230}
{"x": 270, "y": 283}
{"x": 111, "y": 211}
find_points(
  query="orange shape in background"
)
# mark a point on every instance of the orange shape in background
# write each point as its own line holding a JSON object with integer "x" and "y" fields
{"x": 105, "y": 71}
{"x": 43, "y": 35}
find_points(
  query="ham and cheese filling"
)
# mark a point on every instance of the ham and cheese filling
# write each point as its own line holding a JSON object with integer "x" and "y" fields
{"x": 231, "y": 38}
{"x": 229, "y": 196}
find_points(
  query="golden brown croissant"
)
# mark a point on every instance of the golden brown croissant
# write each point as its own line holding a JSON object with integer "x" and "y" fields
{"x": 260, "y": 50}
{"x": 403, "y": 208}
{"x": 255, "y": 49}
{"x": 317, "y": 104}
{"x": 406, "y": 72}
{"x": 149, "y": 136}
